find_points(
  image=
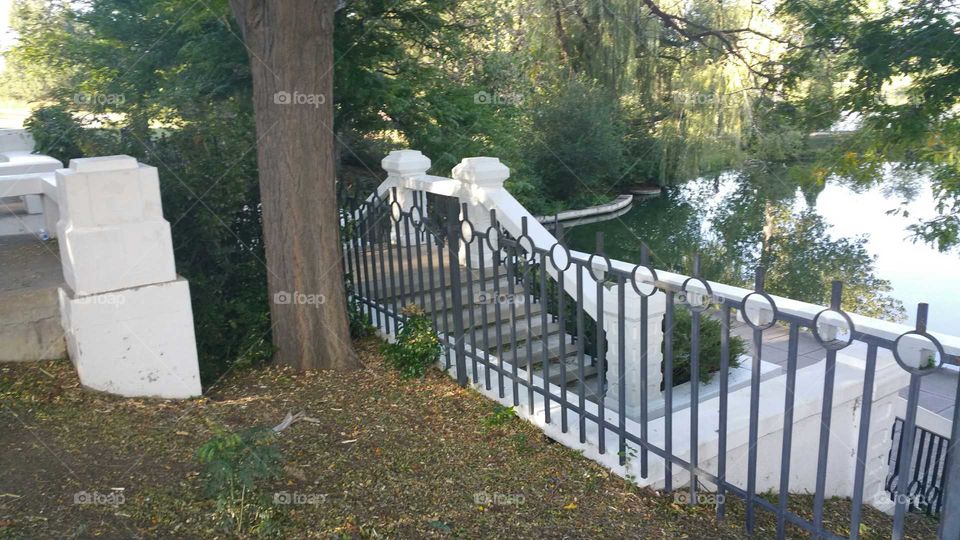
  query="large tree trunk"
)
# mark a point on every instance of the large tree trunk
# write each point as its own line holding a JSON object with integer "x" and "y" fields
{"x": 290, "y": 43}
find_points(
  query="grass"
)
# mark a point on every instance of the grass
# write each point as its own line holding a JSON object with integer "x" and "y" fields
{"x": 386, "y": 458}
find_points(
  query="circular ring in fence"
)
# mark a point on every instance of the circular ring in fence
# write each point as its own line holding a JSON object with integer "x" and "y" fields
{"x": 771, "y": 309}
{"x": 529, "y": 250}
{"x": 833, "y": 344}
{"x": 649, "y": 278}
{"x": 599, "y": 274}
{"x": 396, "y": 212}
{"x": 706, "y": 297}
{"x": 928, "y": 359}
{"x": 466, "y": 231}
{"x": 493, "y": 238}
{"x": 416, "y": 217}
{"x": 561, "y": 262}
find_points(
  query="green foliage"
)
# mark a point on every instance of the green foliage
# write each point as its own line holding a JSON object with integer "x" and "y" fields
{"x": 777, "y": 137}
{"x": 181, "y": 103}
{"x": 577, "y": 141}
{"x": 903, "y": 82}
{"x": 358, "y": 318}
{"x": 710, "y": 332}
{"x": 417, "y": 346}
{"x": 500, "y": 416}
{"x": 55, "y": 132}
{"x": 235, "y": 466}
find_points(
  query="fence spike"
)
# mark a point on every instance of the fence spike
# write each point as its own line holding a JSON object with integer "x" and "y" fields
{"x": 922, "y": 309}
{"x": 836, "y": 291}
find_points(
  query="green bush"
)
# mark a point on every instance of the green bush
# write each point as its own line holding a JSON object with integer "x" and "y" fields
{"x": 577, "y": 142}
{"x": 709, "y": 347}
{"x": 417, "y": 346}
{"x": 56, "y": 133}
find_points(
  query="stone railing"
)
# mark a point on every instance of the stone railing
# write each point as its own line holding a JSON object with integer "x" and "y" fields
{"x": 752, "y": 438}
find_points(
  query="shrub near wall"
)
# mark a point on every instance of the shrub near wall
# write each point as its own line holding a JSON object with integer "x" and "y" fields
{"x": 709, "y": 347}
{"x": 417, "y": 346}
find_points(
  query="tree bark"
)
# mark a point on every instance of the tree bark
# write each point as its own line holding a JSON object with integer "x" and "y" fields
{"x": 290, "y": 44}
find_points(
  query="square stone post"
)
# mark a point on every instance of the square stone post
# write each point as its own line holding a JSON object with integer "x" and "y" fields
{"x": 477, "y": 175}
{"x": 402, "y": 165}
{"x": 33, "y": 203}
{"x": 633, "y": 322}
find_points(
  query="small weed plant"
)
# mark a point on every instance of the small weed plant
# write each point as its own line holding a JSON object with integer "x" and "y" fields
{"x": 235, "y": 466}
{"x": 417, "y": 346}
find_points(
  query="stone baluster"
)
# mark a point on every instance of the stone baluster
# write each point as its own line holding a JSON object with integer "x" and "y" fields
{"x": 478, "y": 174}
{"x": 402, "y": 166}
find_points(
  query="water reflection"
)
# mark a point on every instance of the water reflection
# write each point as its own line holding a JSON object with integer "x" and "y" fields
{"x": 805, "y": 230}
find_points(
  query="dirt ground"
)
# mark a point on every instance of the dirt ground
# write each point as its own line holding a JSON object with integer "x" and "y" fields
{"x": 384, "y": 458}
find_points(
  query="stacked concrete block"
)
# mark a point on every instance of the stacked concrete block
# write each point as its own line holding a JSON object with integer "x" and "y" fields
{"x": 127, "y": 315}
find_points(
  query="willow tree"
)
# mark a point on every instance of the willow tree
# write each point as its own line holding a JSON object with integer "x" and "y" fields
{"x": 291, "y": 59}
{"x": 686, "y": 75}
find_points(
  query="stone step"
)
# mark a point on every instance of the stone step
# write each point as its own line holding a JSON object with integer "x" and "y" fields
{"x": 30, "y": 328}
{"x": 526, "y": 329}
{"x": 553, "y": 350}
{"x": 478, "y": 310}
{"x": 30, "y": 273}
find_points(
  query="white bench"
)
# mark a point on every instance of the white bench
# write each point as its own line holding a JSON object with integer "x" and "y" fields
{"x": 17, "y": 158}
{"x": 39, "y": 192}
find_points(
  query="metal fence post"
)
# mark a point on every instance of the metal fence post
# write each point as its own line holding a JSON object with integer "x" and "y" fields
{"x": 453, "y": 251}
{"x": 950, "y": 506}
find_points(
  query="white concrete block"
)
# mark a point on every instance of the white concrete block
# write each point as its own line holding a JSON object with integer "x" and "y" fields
{"x": 15, "y": 139}
{"x": 33, "y": 204}
{"x": 51, "y": 215}
{"x": 405, "y": 162}
{"x": 486, "y": 172}
{"x": 135, "y": 342}
{"x": 101, "y": 259}
{"x": 109, "y": 191}
{"x": 23, "y": 162}
{"x": 103, "y": 163}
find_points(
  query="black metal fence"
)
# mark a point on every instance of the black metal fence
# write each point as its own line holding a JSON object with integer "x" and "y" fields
{"x": 397, "y": 254}
{"x": 924, "y": 475}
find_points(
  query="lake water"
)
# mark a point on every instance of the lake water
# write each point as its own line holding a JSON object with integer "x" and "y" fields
{"x": 723, "y": 217}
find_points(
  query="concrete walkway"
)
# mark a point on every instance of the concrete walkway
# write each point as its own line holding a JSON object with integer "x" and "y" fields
{"x": 30, "y": 273}
{"x": 937, "y": 391}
